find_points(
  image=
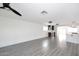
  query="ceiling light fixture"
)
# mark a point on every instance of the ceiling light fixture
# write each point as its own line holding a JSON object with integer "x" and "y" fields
{"x": 44, "y": 12}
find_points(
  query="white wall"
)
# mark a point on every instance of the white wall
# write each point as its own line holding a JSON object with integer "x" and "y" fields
{"x": 13, "y": 31}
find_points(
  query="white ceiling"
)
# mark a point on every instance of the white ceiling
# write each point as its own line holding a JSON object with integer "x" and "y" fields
{"x": 61, "y": 13}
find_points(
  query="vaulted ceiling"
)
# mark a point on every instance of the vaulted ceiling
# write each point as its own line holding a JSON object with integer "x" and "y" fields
{"x": 60, "y": 13}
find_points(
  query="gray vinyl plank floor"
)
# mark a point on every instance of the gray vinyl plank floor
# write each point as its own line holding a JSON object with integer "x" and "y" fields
{"x": 41, "y": 47}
